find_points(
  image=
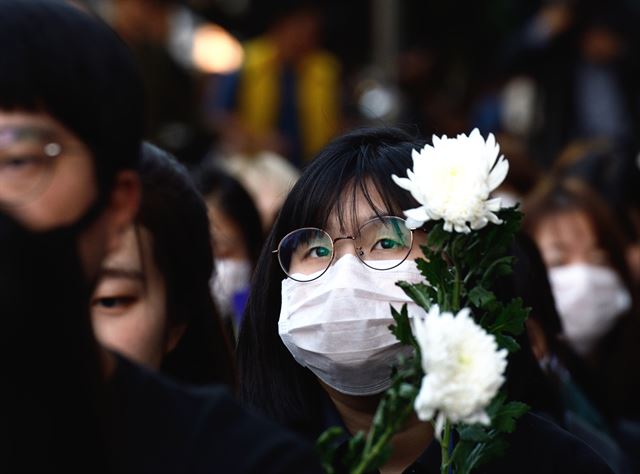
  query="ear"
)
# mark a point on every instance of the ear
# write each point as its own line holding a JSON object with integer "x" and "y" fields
{"x": 174, "y": 335}
{"x": 121, "y": 211}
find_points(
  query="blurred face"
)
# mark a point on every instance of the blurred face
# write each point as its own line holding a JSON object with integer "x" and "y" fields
{"x": 128, "y": 307}
{"x": 47, "y": 181}
{"x": 227, "y": 237}
{"x": 567, "y": 238}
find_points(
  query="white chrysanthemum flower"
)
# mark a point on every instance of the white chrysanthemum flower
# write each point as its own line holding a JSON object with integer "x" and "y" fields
{"x": 452, "y": 180}
{"x": 463, "y": 366}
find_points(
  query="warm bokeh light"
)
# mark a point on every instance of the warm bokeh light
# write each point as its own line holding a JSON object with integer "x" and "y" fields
{"x": 215, "y": 51}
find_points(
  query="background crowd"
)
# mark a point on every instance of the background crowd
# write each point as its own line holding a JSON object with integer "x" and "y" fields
{"x": 245, "y": 93}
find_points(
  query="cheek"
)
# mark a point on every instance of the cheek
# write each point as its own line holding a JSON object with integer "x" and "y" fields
{"x": 137, "y": 333}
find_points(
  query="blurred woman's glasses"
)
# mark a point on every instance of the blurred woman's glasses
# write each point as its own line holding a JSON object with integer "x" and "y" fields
{"x": 382, "y": 243}
{"x": 27, "y": 158}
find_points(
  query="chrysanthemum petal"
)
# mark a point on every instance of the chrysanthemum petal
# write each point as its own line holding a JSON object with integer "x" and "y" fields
{"x": 404, "y": 183}
{"x": 463, "y": 366}
{"x": 498, "y": 173}
{"x": 452, "y": 180}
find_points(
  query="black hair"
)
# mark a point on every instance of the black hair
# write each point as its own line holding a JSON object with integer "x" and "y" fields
{"x": 175, "y": 214}
{"x": 53, "y": 403}
{"x": 61, "y": 60}
{"x": 363, "y": 160}
{"x": 525, "y": 380}
{"x": 235, "y": 202}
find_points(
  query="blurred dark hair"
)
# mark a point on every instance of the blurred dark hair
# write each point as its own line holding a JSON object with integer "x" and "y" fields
{"x": 174, "y": 213}
{"x": 234, "y": 201}
{"x": 360, "y": 161}
{"x": 525, "y": 380}
{"x": 53, "y": 407}
{"x": 61, "y": 60}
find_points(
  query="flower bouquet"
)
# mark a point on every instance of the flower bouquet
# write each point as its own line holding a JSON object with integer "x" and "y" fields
{"x": 462, "y": 340}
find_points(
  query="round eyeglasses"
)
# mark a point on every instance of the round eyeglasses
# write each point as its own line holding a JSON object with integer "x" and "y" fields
{"x": 26, "y": 164}
{"x": 382, "y": 243}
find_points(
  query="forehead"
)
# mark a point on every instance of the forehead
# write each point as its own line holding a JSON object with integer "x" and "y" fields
{"x": 354, "y": 208}
{"x": 127, "y": 255}
{"x": 572, "y": 229}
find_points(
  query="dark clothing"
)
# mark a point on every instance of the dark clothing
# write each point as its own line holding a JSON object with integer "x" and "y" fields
{"x": 158, "y": 426}
{"x": 536, "y": 447}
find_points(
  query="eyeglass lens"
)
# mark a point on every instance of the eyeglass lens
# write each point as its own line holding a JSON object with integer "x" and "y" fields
{"x": 381, "y": 243}
{"x": 25, "y": 163}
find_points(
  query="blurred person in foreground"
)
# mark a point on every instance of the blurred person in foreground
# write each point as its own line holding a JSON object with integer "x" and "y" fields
{"x": 70, "y": 132}
{"x": 153, "y": 302}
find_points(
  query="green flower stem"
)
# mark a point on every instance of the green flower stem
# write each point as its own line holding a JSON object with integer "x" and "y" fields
{"x": 372, "y": 451}
{"x": 444, "y": 449}
{"x": 455, "y": 298}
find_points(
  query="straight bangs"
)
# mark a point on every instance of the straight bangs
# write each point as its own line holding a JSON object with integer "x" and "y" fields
{"x": 361, "y": 162}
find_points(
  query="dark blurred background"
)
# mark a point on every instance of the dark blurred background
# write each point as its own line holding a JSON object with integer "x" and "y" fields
{"x": 260, "y": 86}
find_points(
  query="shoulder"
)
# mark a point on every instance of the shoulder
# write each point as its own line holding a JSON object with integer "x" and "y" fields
{"x": 166, "y": 427}
{"x": 539, "y": 445}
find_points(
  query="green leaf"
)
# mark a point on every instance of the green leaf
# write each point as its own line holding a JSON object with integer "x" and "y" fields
{"x": 418, "y": 292}
{"x": 481, "y": 297}
{"x": 379, "y": 459}
{"x": 476, "y": 433}
{"x": 505, "y": 419}
{"x": 326, "y": 447}
{"x": 499, "y": 267}
{"x": 507, "y": 342}
{"x": 354, "y": 450}
{"x": 482, "y": 453}
{"x": 437, "y": 237}
{"x": 402, "y": 328}
{"x": 511, "y": 318}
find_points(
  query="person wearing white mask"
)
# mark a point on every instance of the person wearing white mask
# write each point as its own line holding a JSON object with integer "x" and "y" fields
{"x": 314, "y": 349}
{"x": 237, "y": 237}
{"x": 583, "y": 249}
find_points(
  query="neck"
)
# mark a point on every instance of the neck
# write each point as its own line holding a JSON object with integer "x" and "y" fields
{"x": 407, "y": 445}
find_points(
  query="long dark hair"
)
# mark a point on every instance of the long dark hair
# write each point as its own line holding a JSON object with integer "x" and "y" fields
{"x": 361, "y": 161}
{"x": 174, "y": 213}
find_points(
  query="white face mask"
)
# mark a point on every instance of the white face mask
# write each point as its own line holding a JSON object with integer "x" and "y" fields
{"x": 232, "y": 276}
{"x": 590, "y": 299}
{"x": 337, "y": 325}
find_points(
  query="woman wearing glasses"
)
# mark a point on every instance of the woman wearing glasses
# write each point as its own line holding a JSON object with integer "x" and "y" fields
{"x": 314, "y": 348}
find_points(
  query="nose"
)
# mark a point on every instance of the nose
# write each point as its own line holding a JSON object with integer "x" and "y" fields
{"x": 345, "y": 245}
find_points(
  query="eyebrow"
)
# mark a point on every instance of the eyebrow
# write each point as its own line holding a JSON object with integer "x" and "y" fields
{"x": 121, "y": 273}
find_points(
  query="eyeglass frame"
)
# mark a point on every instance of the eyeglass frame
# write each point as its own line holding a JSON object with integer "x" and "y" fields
{"x": 50, "y": 156}
{"x": 359, "y": 251}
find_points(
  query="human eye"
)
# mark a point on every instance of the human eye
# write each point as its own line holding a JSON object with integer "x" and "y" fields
{"x": 114, "y": 304}
{"x": 318, "y": 251}
{"x": 388, "y": 244}
{"x": 19, "y": 163}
